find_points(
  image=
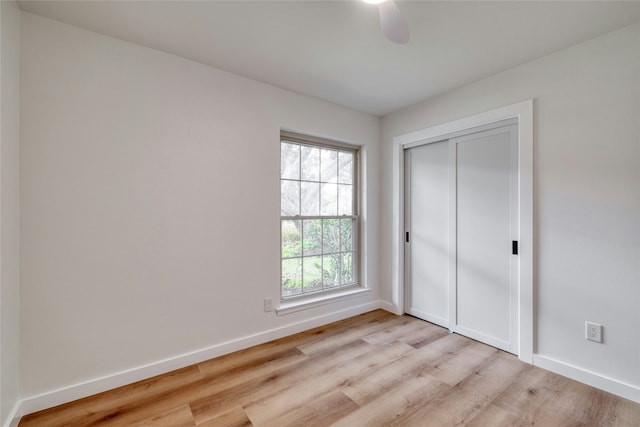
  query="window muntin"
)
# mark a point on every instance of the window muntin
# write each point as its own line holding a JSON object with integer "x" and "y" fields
{"x": 319, "y": 220}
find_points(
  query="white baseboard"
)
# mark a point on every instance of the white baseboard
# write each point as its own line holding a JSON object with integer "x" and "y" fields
{"x": 387, "y": 306}
{"x": 607, "y": 384}
{"x": 14, "y": 416}
{"x": 97, "y": 385}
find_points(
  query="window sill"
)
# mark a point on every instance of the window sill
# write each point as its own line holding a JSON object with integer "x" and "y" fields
{"x": 307, "y": 303}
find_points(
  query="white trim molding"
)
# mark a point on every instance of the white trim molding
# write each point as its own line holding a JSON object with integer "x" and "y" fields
{"x": 14, "y": 416}
{"x": 523, "y": 112}
{"x": 593, "y": 379}
{"x": 97, "y": 385}
{"x": 307, "y": 303}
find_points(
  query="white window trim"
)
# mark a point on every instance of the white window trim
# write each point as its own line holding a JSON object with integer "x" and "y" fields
{"x": 288, "y": 307}
{"x": 306, "y": 301}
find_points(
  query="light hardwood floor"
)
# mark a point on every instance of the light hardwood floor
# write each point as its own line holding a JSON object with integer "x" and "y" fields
{"x": 376, "y": 369}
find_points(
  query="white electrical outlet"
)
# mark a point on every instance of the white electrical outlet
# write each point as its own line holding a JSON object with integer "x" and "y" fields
{"x": 268, "y": 305}
{"x": 593, "y": 332}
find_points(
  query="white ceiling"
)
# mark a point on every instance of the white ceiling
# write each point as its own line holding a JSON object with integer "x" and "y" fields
{"x": 335, "y": 50}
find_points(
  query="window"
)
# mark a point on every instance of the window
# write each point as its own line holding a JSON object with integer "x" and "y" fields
{"x": 318, "y": 215}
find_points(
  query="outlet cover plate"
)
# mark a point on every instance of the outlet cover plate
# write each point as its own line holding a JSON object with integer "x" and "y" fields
{"x": 593, "y": 332}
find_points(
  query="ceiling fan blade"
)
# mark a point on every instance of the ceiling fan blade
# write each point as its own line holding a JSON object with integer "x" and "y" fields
{"x": 393, "y": 24}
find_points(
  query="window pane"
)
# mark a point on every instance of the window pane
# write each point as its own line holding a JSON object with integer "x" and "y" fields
{"x": 346, "y": 234}
{"x": 346, "y": 270}
{"x": 310, "y": 198}
{"x": 329, "y": 162}
{"x": 331, "y": 270}
{"x": 291, "y": 239}
{"x": 329, "y": 199}
{"x": 310, "y": 163}
{"x": 345, "y": 199}
{"x": 291, "y": 276}
{"x": 345, "y": 167}
{"x": 312, "y": 273}
{"x": 289, "y": 161}
{"x": 330, "y": 236}
{"x": 289, "y": 198}
{"x": 312, "y": 232}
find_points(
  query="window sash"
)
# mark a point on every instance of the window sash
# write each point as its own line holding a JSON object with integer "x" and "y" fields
{"x": 302, "y": 262}
{"x": 331, "y": 145}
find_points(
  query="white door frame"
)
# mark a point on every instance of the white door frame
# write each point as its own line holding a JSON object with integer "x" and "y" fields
{"x": 523, "y": 112}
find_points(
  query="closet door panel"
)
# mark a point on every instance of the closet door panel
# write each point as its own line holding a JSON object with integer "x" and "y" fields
{"x": 484, "y": 234}
{"x": 427, "y": 214}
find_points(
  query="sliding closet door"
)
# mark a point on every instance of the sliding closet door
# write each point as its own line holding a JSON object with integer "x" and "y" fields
{"x": 486, "y": 225}
{"x": 427, "y": 218}
{"x": 461, "y": 222}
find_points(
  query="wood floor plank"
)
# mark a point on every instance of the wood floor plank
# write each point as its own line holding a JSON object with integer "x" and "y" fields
{"x": 251, "y": 391}
{"x": 625, "y": 413}
{"x": 424, "y": 336}
{"x": 243, "y": 359}
{"x": 255, "y": 368}
{"x": 235, "y": 417}
{"x": 276, "y": 404}
{"x": 321, "y": 411}
{"x": 382, "y": 411}
{"x": 461, "y": 403}
{"x": 495, "y": 416}
{"x": 529, "y": 391}
{"x": 370, "y": 370}
{"x": 406, "y": 326}
{"x": 463, "y": 363}
{"x": 179, "y": 417}
{"x": 412, "y": 364}
{"x": 350, "y": 334}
